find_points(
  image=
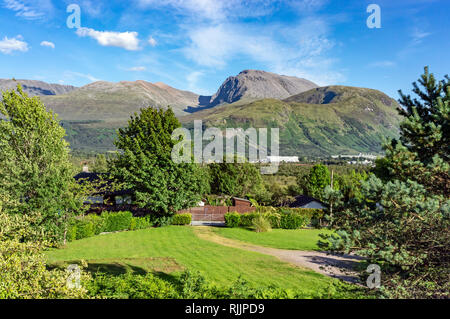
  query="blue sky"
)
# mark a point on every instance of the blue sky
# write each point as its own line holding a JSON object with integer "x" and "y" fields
{"x": 196, "y": 44}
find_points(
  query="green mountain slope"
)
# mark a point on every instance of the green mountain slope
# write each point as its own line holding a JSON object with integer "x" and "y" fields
{"x": 117, "y": 101}
{"x": 319, "y": 122}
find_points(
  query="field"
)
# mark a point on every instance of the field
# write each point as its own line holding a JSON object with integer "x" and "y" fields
{"x": 168, "y": 250}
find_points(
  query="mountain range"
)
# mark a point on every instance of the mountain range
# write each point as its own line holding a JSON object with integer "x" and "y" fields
{"x": 313, "y": 120}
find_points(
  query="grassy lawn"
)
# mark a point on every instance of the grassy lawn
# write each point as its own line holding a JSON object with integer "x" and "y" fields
{"x": 296, "y": 239}
{"x": 169, "y": 250}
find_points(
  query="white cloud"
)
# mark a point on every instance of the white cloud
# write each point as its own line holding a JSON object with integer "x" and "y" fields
{"x": 71, "y": 75}
{"x": 127, "y": 40}
{"x": 418, "y": 35}
{"x": 92, "y": 8}
{"x": 192, "y": 80}
{"x": 29, "y": 9}
{"x": 215, "y": 10}
{"x": 299, "y": 51}
{"x": 137, "y": 68}
{"x": 152, "y": 41}
{"x": 7, "y": 46}
{"x": 48, "y": 44}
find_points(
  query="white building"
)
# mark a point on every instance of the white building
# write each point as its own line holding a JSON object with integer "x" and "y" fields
{"x": 285, "y": 159}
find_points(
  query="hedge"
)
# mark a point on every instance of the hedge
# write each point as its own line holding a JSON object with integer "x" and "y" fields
{"x": 116, "y": 221}
{"x": 140, "y": 223}
{"x": 285, "y": 218}
{"x": 91, "y": 225}
{"x": 233, "y": 219}
{"x": 182, "y": 219}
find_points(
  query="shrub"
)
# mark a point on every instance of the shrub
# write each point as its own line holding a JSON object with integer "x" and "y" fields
{"x": 116, "y": 221}
{"x": 233, "y": 219}
{"x": 261, "y": 224}
{"x": 84, "y": 228}
{"x": 71, "y": 233}
{"x": 182, "y": 219}
{"x": 292, "y": 220}
{"x": 130, "y": 286}
{"x": 162, "y": 221}
{"x": 140, "y": 223}
{"x": 97, "y": 223}
{"x": 274, "y": 219}
{"x": 23, "y": 271}
{"x": 247, "y": 219}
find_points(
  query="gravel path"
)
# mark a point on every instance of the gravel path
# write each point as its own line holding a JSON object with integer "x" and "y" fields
{"x": 333, "y": 265}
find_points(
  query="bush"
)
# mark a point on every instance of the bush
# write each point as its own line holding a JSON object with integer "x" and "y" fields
{"x": 233, "y": 219}
{"x": 130, "y": 286}
{"x": 274, "y": 219}
{"x": 71, "y": 233}
{"x": 182, "y": 219}
{"x": 23, "y": 270}
{"x": 162, "y": 221}
{"x": 261, "y": 224}
{"x": 84, "y": 229}
{"x": 292, "y": 220}
{"x": 247, "y": 219}
{"x": 91, "y": 225}
{"x": 97, "y": 223}
{"x": 116, "y": 221}
{"x": 140, "y": 223}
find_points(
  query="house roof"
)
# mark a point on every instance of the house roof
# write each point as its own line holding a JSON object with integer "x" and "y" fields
{"x": 90, "y": 177}
{"x": 242, "y": 199}
{"x": 302, "y": 200}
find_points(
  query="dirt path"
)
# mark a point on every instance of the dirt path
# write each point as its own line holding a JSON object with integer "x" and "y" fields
{"x": 336, "y": 266}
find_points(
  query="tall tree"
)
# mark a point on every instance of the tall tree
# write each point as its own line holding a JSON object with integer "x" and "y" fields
{"x": 236, "y": 179}
{"x": 315, "y": 182}
{"x": 402, "y": 220}
{"x": 35, "y": 170}
{"x": 145, "y": 166}
{"x": 426, "y": 129}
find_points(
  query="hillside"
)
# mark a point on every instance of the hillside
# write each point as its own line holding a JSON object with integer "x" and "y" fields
{"x": 117, "y": 101}
{"x": 319, "y": 122}
{"x": 316, "y": 122}
{"x": 36, "y": 88}
{"x": 254, "y": 84}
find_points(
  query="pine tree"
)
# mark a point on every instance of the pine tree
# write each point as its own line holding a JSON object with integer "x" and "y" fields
{"x": 426, "y": 129}
{"x": 402, "y": 220}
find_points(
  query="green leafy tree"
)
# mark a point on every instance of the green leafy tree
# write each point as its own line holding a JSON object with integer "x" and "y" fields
{"x": 402, "y": 219}
{"x": 100, "y": 164}
{"x": 35, "y": 169}
{"x": 236, "y": 179}
{"x": 315, "y": 182}
{"x": 145, "y": 166}
{"x": 23, "y": 269}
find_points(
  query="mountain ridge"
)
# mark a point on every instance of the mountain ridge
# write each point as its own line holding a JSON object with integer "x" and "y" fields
{"x": 257, "y": 84}
{"x": 316, "y": 122}
{"x": 36, "y": 87}
{"x": 355, "y": 121}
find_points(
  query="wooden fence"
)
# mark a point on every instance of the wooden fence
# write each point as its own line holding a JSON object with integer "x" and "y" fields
{"x": 214, "y": 213}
